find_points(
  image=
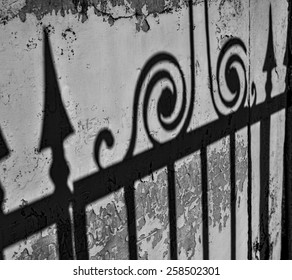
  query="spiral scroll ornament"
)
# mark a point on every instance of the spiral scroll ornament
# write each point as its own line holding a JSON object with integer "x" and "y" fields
{"x": 160, "y": 100}
{"x": 231, "y": 78}
{"x": 164, "y": 105}
{"x": 106, "y": 137}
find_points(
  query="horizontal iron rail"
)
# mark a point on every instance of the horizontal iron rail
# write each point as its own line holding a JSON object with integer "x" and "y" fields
{"x": 119, "y": 175}
{"x": 32, "y": 218}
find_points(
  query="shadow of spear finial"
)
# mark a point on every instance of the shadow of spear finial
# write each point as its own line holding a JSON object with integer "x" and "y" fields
{"x": 286, "y": 242}
{"x": 56, "y": 128}
{"x": 265, "y": 128}
{"x": 4, "y": 152}
{"x": 270, "y": 60}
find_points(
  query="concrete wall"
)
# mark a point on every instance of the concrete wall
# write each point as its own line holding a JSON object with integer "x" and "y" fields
{"x": 99, "y": 48}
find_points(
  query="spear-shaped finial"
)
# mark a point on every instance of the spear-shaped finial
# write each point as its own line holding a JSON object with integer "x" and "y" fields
{"x": 265, "y": 128}
{"x": 56, "y": 124}
{"x": 286, "y": 242}
{"x": 56, "y": 128}
{"x": 270, "y": 60}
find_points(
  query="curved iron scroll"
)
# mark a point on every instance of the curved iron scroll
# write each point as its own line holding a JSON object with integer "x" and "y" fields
{"x": 165, "y": 107}
{"x": 53, "y": 209}
{"x": 234, "y": 95}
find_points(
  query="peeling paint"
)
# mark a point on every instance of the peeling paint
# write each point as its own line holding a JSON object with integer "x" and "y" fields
{"x": 152, "y": 217}
{"x": 107, "y": 229}
{"x": 27, "y": 175}
{"x": 189, "y": 208}
{"x": 106, "y": 221}
{"x": 219, "y": 180}
{"x": 130, "y": 8}
{"x": 40, "y": 246}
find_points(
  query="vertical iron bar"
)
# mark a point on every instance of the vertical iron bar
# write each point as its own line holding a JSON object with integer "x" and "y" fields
{"x": 205, "y": 210}
{"x": 265, "y": 128}
{"x": 131, "y": 220}
{"x": 204, "y": 169}
{"x": 264, "y": 190}
{"x": 80, "y": 234}
{"x": 233, "y": 195}
{"x": 249, "y": 172}
{"x": 286, "y": 250}
{"x": 249, "y": 191}
{"x": 172, "y": 211}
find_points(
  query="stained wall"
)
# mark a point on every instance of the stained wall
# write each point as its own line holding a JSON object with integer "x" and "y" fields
{"x": 99, "y": 50}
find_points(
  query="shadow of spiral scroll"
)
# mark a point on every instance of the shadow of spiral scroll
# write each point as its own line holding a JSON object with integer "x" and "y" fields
{"x": 165, "y": 108}
{"x": 229, "y": 97}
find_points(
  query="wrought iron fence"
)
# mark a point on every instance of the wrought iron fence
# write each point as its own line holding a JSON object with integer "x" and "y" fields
{"x": 54, "y": 209}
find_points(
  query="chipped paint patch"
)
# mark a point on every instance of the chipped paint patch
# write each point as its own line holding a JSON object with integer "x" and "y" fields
{"x": 219, "y": 179}
{"x": 40, "y": 246}
{"x": 152, "y": 217}
{"x": 189, "y": 208}
{"x": 113, "y": 9}
{"x": 219, "y": 184}
{"x": 9, "y": 9}
{"x": 107, "y": 228}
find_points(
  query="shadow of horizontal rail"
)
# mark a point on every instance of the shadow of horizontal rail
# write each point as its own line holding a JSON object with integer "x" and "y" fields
{"x": 121, "y": 174}
{"x": 21, "y": 223}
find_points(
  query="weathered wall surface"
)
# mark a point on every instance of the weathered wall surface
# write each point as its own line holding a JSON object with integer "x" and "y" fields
{"x": 99, "y": 49}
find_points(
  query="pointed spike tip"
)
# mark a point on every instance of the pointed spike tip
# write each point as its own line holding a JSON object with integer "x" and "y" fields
{"x": 56, "y": 123}
{"x": 4, "y": 150}
{"x": 270, "y": 60}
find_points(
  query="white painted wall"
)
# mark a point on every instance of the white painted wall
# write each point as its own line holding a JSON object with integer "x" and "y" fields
{"x": 98, "y": 66}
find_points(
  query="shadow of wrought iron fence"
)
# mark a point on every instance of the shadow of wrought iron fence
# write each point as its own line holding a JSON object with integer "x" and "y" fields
{"x": 54, "y": 209}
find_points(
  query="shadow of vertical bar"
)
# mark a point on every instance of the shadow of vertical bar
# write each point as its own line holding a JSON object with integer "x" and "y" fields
{"x": 249, "y": 169}
{"x": 233, "y": 195}
{"x": 249, "y": 193}
{"x": 64, "y": 234}
{"x": 205, "y": 211}
{"x": 81, "y": 248}
{"x": 269, "y": 65}
{"x": 1, "y": 229}
{"x": 131, "y": 214}
{"x": 4, "y": 152}
{"x": 172, "y": 211}
{"x": 286, "y": 244}
{"x": 286, "y": 250}
{"x": 56, "y": 127}
{"x": 264, "y": 191}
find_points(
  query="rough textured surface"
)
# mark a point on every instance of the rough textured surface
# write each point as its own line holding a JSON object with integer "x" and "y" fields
{"x": 106, "y": 221}
{"x": 92, "y": 41}
{"x": 107, "y": 229}
{"x": 189, "y": 210}
{"x": 41, "y": 246}
{"x": 152, "y": 217}
{"x": 125, "y": 8}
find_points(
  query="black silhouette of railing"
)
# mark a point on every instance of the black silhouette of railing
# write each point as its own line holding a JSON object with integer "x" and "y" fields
{"x": 54, "y": 209}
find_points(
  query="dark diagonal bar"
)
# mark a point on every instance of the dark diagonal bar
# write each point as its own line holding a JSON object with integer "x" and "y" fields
{"x": 138, "y": 166}
{"x": 19, "y": 224}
